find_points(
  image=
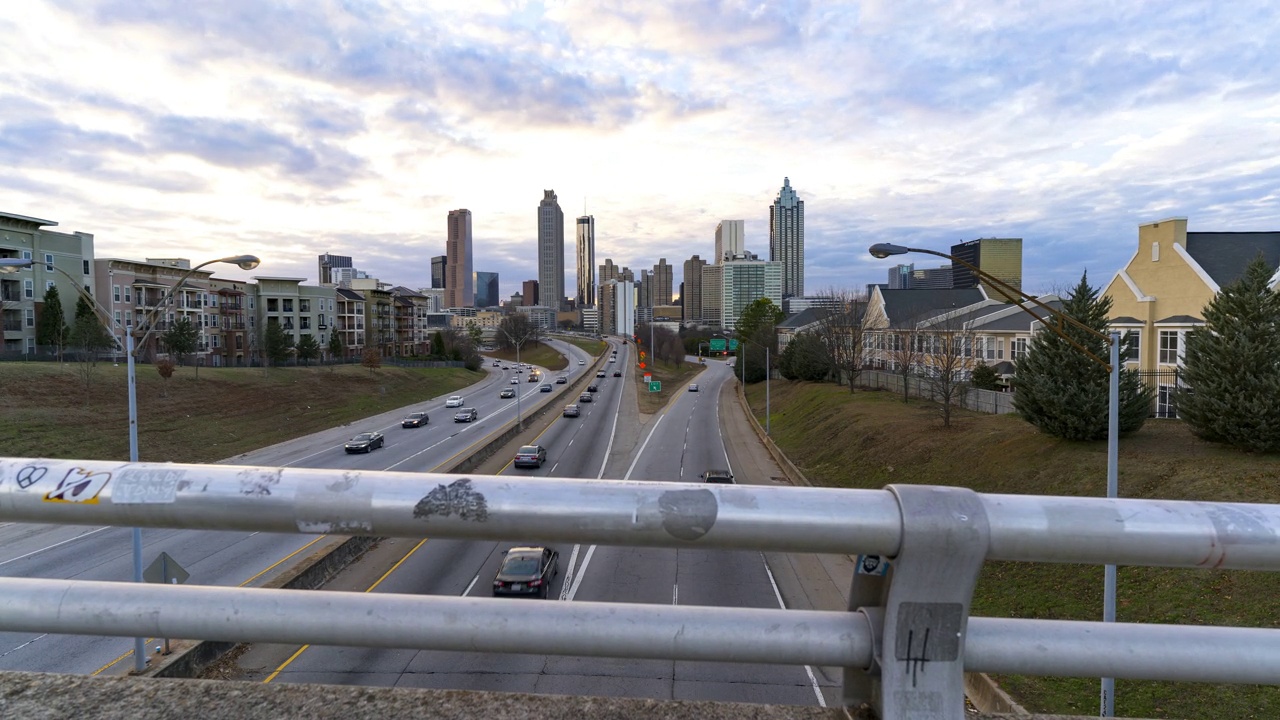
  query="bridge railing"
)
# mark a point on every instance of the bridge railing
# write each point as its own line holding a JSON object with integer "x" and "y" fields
{"x": 905, "y": 643}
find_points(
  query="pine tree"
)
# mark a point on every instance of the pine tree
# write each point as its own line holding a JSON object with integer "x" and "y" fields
{"x": 52, "y": 329}
{"x": 336, "y": 349}
{"x": 1232, "y": 366}
{"x": 1066, "y": 393}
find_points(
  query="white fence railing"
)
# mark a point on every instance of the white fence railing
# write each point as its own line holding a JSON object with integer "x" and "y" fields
{"x": 905, "y": 644}
{"x": 976, "y": 399}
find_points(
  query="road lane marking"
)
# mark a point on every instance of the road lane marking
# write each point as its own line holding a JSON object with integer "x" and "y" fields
{"x": 582, "y": 572}
{"x": 57, "y": 544}
{"x": 372, "y": 587}
{"x": 675, "y": 594}
{"x": 817, "y": 689}
{"x": 34, "y": 639}
{"x": 474, "y": 580}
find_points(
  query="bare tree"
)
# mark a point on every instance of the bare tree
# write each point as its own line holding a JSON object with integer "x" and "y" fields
{"x": 840, "y": 327}
{"x": 948, "y": 360}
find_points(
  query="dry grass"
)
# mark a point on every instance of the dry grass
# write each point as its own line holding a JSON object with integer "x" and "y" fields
{"x": 870, "y": 439}
{"x": 48, "y": 411}
{"x": 674, "y": 378}
{"x": 535, "y": 354}
{"x": 594, "y": 347}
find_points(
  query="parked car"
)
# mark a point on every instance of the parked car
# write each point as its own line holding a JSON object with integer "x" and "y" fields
{"x": 415, "y": 419}
{"x": 617, "y": 373}
{"x": 561, "y": 380}
{"x": 507, "y": 393}
{"x": 693, "y": 387}
{"x": 600, "y": 373}
{"x": 530, "y": 456}
{"x": 571, "y": 411}
{"x": 527, "y": 571}
{"x": 545, "y": 388}
{"x": 364, "y": 442}
{"x": 466, "y": 415}
{"x": 586, "y": 397}
{"x": 454, "y": 401}
{"x": 592, "y": 388}
{"x": 717, "y": 476}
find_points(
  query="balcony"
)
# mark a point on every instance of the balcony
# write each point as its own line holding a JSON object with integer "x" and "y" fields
{"x": 13, "y": 326}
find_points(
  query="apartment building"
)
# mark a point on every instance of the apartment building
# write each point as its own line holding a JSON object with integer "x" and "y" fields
{"x": 22, "y": 293}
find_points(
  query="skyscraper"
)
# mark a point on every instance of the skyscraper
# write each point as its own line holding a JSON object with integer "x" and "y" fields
{"x": 458, "y": 290}
{"x": 586, "y": 261}
{"x": 730, "y": 241}
{"x": 662, "y": 278}
{"x": 1000, "y": 258}
{"x": 550, "y": 251}
{"x": 439, "y": 267}
{"x": 786, "y": 238}
{"x": 746, "y": 281}
{"x": 529, "y": 293}
{"x": 691, "y": 296}
{"x": 327, "y": 263}
{"x": 713, "y": 294}
{"x": 486, "y": 284}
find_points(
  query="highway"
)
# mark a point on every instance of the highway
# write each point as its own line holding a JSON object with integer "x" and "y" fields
{"x": 677, "y": 444}
{"x": 237, "y": 558}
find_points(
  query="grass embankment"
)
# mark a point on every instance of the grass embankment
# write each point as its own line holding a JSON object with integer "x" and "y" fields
{"x": 594, "y": 347}
{"x": 674, "y": 379}
{"x": 534, "y": 354}
{"x": 48, "y": 411}
{"x": 870, "y": 439}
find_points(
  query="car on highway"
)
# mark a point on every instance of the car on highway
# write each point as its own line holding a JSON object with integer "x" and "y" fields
{"x": 415, "y": 419}
{"x": 545, "y": 388}
{"x": 572, "y": 411}
{"x": 364, "y": 442}
{"x": 562, "y": 379}
{"x": 586, "y": 397}
{"x": 466, "y": 415}
{"x": 533, "y": 377}
{"x": 592, "y": 388}
{"x": 527, "y": 571}
{"x": 693, "y": 387}
{"x": 582, "y": 362}
{"x": 717, "y": 476}
{"x": 613, "y": 359}
{"x": 530, "y": 456}
{"x": 497, "y": 364}
{"x": 515, "y": 381}
{"x": 617, "y": 373}
{"x": 454, "y": 401}
{"x": 600, "y": 373}
{"x": 507, "y": 393}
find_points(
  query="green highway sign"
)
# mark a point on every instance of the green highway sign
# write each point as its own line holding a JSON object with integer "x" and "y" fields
{"x": 655, "y": 386}
{"x": 717, "y": 344}
{"x": 733, "y": 344}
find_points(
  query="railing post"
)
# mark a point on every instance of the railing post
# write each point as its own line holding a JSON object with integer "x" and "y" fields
{"x": 919, "y": 631}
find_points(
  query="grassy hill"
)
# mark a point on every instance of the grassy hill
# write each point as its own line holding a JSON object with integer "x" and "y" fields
{"x": 871, "y": 439}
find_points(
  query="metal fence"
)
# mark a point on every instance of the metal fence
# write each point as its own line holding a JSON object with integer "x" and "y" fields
{"x": 905, "y": 642}
{"x": 978, "y": 400}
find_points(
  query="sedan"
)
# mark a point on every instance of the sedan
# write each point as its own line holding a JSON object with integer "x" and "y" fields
{"x": 561, "y": 380}
{"x": 507, "y": 393}
{"x": 600, "y": 374}
{"x": 454, "y": 401}
{"x": 693, "y": 387}
{"x": 545, "y": 388}
{"x": 515, "y": 381}
{"x": 571, "y": 411}
{"x": 592, "y": 388}
{"x": 617, "y": 373}
{"x": 364, "y": 442}
{"x": 530, "y": 456}
{"x": 527, "y": 571}
{"x": 582, "y": 362}
{"x": 586, "y": 397}
{"x": 415, "y": 419}
{"x": 466, "y": 415}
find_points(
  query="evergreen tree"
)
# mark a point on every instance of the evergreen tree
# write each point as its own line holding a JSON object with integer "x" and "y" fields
{"x": 182, "y": 339}
{"x": 52, "y": 330}
{"x": 985, "y": 377}
{"x": 805, "y": 358}
{"x": 276, "y": 344}
{"x": 308, "y": 348}
{"x": 1232, "y": 366}
{"x": 1066, "y": 393}
{"x": 87, "y": 333}
{"x": 336, "y": 349}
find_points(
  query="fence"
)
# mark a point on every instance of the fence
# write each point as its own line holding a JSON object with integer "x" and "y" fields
{"x": 904, "y": 644}
{"x": 987, "y": 401}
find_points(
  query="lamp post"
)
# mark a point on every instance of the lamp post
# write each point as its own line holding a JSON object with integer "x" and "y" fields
{"x": 767, "y": 379}
{"x": 246, "y": 262}
{"x": 884, "y": 250}
{"x": 517, "y": 342}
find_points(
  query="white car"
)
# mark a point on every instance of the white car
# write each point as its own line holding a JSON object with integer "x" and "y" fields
{"x": 582, "y": 362}
{"x": 454, "y": 401}
{"x": 613, "y": 359}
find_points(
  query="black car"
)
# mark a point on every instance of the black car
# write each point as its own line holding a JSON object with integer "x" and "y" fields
{"x": 717, "y": 476}
{"x": 617, "y": 373}
{"x": 545, "y": 388}
{"x": 364, "y": 442}
{"x": 592, "y": 388}
{"x": 466, "y": 415}
{"x": 586, "y": 397}
{"x": 415, "y": 419}
{"x": 527, "y": 571}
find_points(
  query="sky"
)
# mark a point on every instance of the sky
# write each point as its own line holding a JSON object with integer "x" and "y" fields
{"x": 290, "y": 129}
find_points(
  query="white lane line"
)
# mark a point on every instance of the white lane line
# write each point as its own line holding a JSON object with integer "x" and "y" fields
{"x": 723, "y": 448}
{"x": 643, "y": 446}
{"x": 26, "y": 644}
{"x": 57, "y": 544}
{"x": 582, "y": 572}
{"x": 568, "y": 575}
{"x": 675, "y": 594}
{"x": 553, "y": 468}
{"x": 473, "y": 584}
{"x": 817, "y": 690}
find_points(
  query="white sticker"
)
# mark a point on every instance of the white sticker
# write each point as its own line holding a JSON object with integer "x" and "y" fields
{"x": 146, "y": 487}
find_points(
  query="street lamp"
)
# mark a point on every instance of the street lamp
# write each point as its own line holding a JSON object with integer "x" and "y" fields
{"x": 246, "y": 262}
{"x": 767, "y": 378}
{"x": 884, "y": 250}
{"x": 517, "y": 342}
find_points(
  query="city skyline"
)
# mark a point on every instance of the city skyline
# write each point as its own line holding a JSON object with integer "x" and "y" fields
{"x": 291, "y": 131}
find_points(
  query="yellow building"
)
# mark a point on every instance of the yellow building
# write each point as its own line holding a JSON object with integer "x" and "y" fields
{"x": 1160, "y": 294}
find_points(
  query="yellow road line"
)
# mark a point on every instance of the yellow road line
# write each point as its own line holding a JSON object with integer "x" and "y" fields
{"x": 372, "y": 587}
{"x": 111, "y": 664}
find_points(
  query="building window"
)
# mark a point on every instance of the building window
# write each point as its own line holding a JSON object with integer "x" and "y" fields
{"x": 304, "y": 306}
{"x": 48, "y": 262}
{"x": 127, "y": 297}
{"x": 117, "y": 314}
{"x": 288, "y": 305}
{"x": 213, "y": 341}
{"x": 115, "y": 293}
{"x": 29, "y": 289}
{"x": 48, "y": 285}
{"x": 1018, "y": 349}
{"x": 273, "y": 305}
{"x": 26, "y": 255}
{"x": 250, "y": 302}
{"x": 1169, "y": 347}
{"x": 304, "y": 323}
{"x": 31, "y": 317}
{"x": 1131, "y": 346}
{"x": 85, "y": 266}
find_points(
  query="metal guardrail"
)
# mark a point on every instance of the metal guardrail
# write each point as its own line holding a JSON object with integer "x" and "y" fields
{"x": 905, "y": 646}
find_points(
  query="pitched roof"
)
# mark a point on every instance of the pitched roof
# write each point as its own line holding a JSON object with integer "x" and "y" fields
{"x": 807, "y": 316}
{"x": 406, "y": 292}
{"x": 1224, "y": 255}
{"x": 1180, "y": 320}
{"x": 349, "y": 294}
{"x": 909, "y": 307}
{"x": 1018, "y": 321}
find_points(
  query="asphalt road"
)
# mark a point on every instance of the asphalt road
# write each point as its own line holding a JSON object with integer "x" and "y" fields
{"x": 238, "y": 558}
{"x": 675, "y": 445}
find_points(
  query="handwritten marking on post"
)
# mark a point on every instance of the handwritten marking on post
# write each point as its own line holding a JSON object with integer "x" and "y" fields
{"x": 30, "y": 475}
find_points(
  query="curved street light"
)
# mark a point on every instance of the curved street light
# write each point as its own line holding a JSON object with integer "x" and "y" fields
{"x": 1016, "y": 296}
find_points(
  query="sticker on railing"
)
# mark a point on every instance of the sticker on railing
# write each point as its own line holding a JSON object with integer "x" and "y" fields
{"x": 145, "y": 487}
{"x": 872, "y": 565}
{"x": 30, "y": 475}
{"x": 457, "y": 498}
{"x": 79, "y": 486}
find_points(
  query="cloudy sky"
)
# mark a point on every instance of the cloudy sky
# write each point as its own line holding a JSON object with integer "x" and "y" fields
{"x": 287, "y": 129}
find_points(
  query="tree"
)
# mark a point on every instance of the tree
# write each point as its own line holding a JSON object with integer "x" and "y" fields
{"x": 905, "y": 352}
{"x": 437, "y": 345}
{"x": 336, "y": 349}
{"x": 182, "y": 339}
{"x": 515, "y": 330}
{"x": 308, "y": 348}
{"x": 985, "y": 377}
{"x": 840, "y": 328}
{"x": 805, "y": 358}
{"x": 1232, "y": 366}
{"x": 1066, "y": 393}
{"x": 52, "y": 330}
{"x": 371, "y": 359}
{"x": 948, "y": 361}
{"x": 88, "y": 337}
{"x": 276, "y": 344}
{"x": 758, "y": 338}
{"x": 165, "y": 366}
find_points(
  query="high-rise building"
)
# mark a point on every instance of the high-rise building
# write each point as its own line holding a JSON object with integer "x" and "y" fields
{"x": 617, "y": 308}
{"x": 713, "y": 295}
{"x": 662, "y": 278}
{"x": 746, "y": 281}
{"x": 691, "y": 291}
{"x": 644, "y": 290}
{"x": 529, "y": 293}
{"x": 900, "y": 277}
{"x": 786, "y": 238}
{"x": 938, "y": 278}
{"x": 608, "y": 271}
{"x": 486, "y": 285}
{"x": 1000, "y": 258}
{"x": 586, "y": 261}
{"x": 327, "y": 263}
{"x": 458, "y": 290}
{"x": 550, "y": 251}
{"x": 439, "y": 266}
{"x": 730, "y": 240}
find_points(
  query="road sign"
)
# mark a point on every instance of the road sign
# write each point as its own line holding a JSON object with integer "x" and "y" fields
{"x": 655, "y": 386}
{"x": 648, "y": 377}
{"x": 641, "y": 366}
{"x": 165, "y": 570}
{"x": 733, "y": 344}
{"x": 717, "y": 344}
